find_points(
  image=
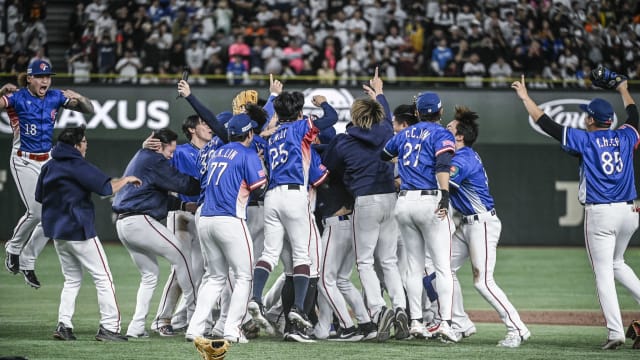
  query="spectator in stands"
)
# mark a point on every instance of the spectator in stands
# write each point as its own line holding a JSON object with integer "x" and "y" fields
{"x": 569, "y": 64}
{"x": 356, "y": 24}
{"x": 440, "y": 58}
{"x": 223, "y": 16}
{"x": 80, "y": 66}
{"x": 177, "y": 59}
{"x": 240, "y": 48}
{"x": 395, "y": 15}
{"x": 293, "y": 55}
{"x": 326, "y": 75}
{"x": 296, "y": 29}
{"x": 77, "y": 22}
{"x": 348, "y": 68}
{"x": 105, "y": 25}
{"x": 94, "y": 9}
{"x": 272, "y": 56}
{"x": 7, "y": 59}
{"x": 194, "y": 58}
{"x": 464, "y": 17}
{"x": 237, "y": 73}
{"x": 107, "y": 58}
{"x": 128, "y": 67}
{"x": 21, "y": 64}
{"x": 17, "y": 38}
{"x": 214, "y": 66}
{"x": 500, "y": 72}
{"x": 473, "y": 71}
{"x": 320, "y": 25}
{"x": 376, "y": 16}
{"x": 394, "y": 40}
{"x": 443, "y": 18}
{"x": 339, "y": 24}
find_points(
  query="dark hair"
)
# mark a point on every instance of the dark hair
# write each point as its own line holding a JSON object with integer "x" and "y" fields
{"x": 431, "y": 117}
{"x": 239, "y": 137}
{"x": 190, "y": 123}
{"x": 72, "y": 135}
{"x": 467, "y": 125}
{"x": 288, "y": 105}
{"x": 166, "y": 135}
{"x": 257, "y": 114}
{"x": 406, "y": 114}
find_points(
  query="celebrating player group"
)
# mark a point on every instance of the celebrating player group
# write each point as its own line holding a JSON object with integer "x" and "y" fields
{"x": 399, "y": 196}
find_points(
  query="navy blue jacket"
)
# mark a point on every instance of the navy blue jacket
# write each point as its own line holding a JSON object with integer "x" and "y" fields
{"x": 158, "y": 178}
{"x": 64, "y": 188}
{"x": 357, "y": 155}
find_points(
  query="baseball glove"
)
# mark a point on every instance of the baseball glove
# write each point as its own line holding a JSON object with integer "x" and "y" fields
{"x": 251, "y": 329}
{"x": 242, "y": 99}
{"x": 211, "y": 349}
{"x": 633, "y": 333}
{"x": 605, "y": 78}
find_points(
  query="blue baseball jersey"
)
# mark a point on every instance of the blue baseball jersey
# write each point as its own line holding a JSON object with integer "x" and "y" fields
{"x": 208, "y": 149}
{"x": 288, "y": 154}
{"x": 185, "y": 159}
{"x": 469, "y": 183}
{"x": 32, "y": 118}
{"x": 606, "y": 163}
{"x": 416, "y": 148}
{"x": 233, "y": 172}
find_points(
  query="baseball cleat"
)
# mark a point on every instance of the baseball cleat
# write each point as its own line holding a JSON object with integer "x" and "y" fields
{"x": 401, "y": 324}
{"x": 418, "y": 330}
{"x": 237, "y": 339}
{"x": 385, "y": 320}
{"x": 299, "y": 317}
{"x": 166, "y": 330}
{"x": 445, "y": 332}
{"x": 465, "y": 333}
{"x": 63, "y": 333}
{"x": 106, "y": 335}
{"x": 12, "y": 263}
{"x": 613, "y": 344}
{"x": 298, "y": 336}
{"x": 30, "y": 278}
{"x": 350, "y": 334}
{"x": 368, "y": 331}
{"x": 513, "y": 339}
{"x": 144, "y": 334}
{"x": 256, "y": 311}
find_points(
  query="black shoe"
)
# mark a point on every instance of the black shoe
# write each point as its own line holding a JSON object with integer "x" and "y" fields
{"x": 299, "y": 317}
{"x": 350, "y": 334}
{"x": 166, "y": 330}
{"x": 385, "y": 320}
{"x": 250, "y": 329}
{"x": 31, "y": 278}
{"x": 401, "y": 324}
{"x": 12, "y": 263}
{"x": 106, "y": 335}
{"x": 63, "y": 333}
{"x": 298, "y": 335}
{"x": 368, "y": 331}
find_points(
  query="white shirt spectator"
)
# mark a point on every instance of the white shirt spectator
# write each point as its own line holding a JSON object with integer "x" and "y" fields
{"x": 357, "y": 25}
{"x": 464, "y": 19}
{"x": 394, "y": 41}
{"x": 105, "y": 25}
{"x": 317, "y": 5}
{"x": 264, "y": 15}
{"x": 128, "y": 67}
{"x": 473, "y": 71}
{"x": 444, "y": 17}
{"x": 296, "y": 29}
{"x": 273, "y": 57}
{"x": 340, "y": 26}
{"x": 500, "y": 71}
{"x": 94, "y": 10}
{"x": 348, "y": 68}
{"x": 376, "y": 16}
{"x": 194, "y": 57}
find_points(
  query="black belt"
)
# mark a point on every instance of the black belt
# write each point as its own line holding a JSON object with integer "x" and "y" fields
{"x": 256, "y": 203}
{"x": 293, "y": 186}
{"x": 422, "y": 192}
{"x": 469, "y": 219}
{"x": 127, "y": 214}
{"x": 630, "y": 202}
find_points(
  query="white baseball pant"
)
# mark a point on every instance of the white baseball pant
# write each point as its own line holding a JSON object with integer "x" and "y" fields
{"x": 146, "y": 238}
{"x": 74, "y": 257}
{"x": 28, "y": 238}
{"x": 336, "y": 288}
{"x": 226, "y": 244}
{"x": 376, "y": 236}
{"x": 255, "y": 222}
{"x": 170, "y": 309}
{"x": 477, "y": 239}
{"x": 422, "y": 231}
{"x": 607, "y": 231}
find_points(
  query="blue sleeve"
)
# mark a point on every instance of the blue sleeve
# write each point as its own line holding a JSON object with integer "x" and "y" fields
{"x": 331, "y": 158}
{"x": 387, "y": 111}
{"x": 169, "y": 178}
{"x": 457, "y": 172}
{"x": 208, "y": 117}
{"x": 573, "y": 140}
{"x": 445, "y": 142}
{"x": 61, "y": 99}
{"x": 391, "y": 148}
{"x": 254, "y": 175}
{"x": 93, "y": 179}
{"x": 271, "y": 112}
{"x": 329, "y": 118}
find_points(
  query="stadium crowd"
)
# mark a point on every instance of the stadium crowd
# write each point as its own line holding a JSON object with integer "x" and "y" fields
{"x": 554, "y": 42}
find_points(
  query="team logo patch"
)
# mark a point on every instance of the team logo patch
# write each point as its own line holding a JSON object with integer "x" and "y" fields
{"x": 448, "y": 143}
{"x": 261, "y": 173}
{"x": 453, "y": 171}
{"x": 43, "y": 67}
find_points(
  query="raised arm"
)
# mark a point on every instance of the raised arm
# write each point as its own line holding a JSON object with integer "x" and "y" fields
{"x": 629, "y": 105}
{"x": 5, "y": 90}
{"x": 205, "y": 114}
{"x": 543, "y": 120}
{"x": 374, "y": 90}
{"x": 330, "y": 116}
{"x": 78, "y": 102}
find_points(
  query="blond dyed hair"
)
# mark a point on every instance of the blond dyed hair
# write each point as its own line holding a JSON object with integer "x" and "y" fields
{"x": 366, "y": 112}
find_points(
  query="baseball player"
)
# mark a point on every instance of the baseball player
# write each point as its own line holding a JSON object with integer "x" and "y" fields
{"x": 182, "y": 224}
{"x": 64, "y": 188}
{"x": 32, "y": 110}
{"x": 287, "y": 205}
{"x": 140, "y": 210}
{"x": 234, "y": 170}
{"x": 607, "y": 190}
{"x": 370, "y": 181}
{"x": 424, "y": 153}
{"x": 477, "y": 235}
{"x": 335, "y": 208}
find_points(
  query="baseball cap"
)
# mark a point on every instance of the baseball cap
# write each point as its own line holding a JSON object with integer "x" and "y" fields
{"x": 428, "y": 103}
{"x": 600, "y": 110}
{"x": 240, "y": 124}
{"x": 40, "y": 67}
{"x": 224, "y": 117}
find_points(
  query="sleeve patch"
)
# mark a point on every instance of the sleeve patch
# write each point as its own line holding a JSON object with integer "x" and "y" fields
{"x": 453, "y": 171}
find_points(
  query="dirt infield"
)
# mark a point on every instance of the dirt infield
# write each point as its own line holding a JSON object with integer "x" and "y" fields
{"x": 587, "y": 318}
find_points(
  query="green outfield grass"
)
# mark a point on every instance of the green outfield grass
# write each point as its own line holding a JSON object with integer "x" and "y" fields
{"x": 533, "y": 278}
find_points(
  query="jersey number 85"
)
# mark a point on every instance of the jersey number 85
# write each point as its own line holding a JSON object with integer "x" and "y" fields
{"x": 611, "y": 163}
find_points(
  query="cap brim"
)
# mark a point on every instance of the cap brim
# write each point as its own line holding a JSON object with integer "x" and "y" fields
{"x": 584, "y": 107}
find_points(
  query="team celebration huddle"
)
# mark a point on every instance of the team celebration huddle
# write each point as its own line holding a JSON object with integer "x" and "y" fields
{"x": 400, "y": 197}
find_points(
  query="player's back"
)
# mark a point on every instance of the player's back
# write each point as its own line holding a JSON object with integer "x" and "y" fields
{"x": 288, "y": 153}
